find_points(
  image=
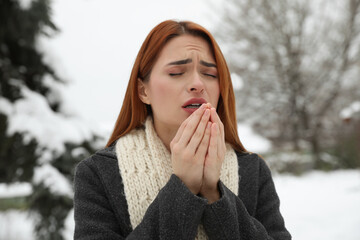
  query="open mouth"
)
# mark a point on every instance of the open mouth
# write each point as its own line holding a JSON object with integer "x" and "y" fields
{"x": 193, "y": 105}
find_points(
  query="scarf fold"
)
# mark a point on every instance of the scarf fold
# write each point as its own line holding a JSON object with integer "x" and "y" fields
{"x": 145, "y": 168}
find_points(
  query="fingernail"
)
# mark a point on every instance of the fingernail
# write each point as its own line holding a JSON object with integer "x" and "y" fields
{"x": 209, "y": 125}
{"x": 207, "y": 112}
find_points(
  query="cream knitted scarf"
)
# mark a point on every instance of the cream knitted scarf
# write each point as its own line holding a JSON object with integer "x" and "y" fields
{"x": 145, "y": 168}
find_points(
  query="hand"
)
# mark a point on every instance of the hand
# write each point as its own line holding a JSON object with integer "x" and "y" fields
{"x": 189, "y": 148}
{"x": 214, "y": 159}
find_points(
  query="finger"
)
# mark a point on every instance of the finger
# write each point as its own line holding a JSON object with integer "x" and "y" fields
{"x": 221, "y": 139}
{"x": 191, "y": 126}
{"x": 182, "y": 127}
{"x": 180, "y": 130}
{"x": 199, "y": 132}
{"x": 221, "y": 147}
{"x": 212, "y": 150}
{"x": 216, "y": 119}
{"x": 209, "y": 105}
{"x": 204, "y": 144}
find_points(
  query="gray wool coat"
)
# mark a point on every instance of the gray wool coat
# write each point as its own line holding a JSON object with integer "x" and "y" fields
{"x": 101, "y": 209}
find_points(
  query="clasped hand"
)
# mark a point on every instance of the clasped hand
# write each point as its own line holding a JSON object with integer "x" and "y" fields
{"x": 198, "y": 151}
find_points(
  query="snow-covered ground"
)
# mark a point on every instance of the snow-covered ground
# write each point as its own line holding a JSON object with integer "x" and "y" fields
{"x": 321, "y": 205}
{"x": 15, "y": 225}
{"x": 315, "y": 206}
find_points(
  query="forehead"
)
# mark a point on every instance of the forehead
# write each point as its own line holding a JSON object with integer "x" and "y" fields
{"x": 185, "y": 46}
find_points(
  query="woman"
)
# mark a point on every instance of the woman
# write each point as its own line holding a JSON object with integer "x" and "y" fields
{"x": 174, "y": 167}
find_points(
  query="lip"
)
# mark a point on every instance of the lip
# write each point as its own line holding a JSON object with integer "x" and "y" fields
{"x": 192, "y": 101}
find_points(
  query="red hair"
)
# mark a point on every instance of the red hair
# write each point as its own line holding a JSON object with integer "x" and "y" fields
{"x": 134, "y": 112}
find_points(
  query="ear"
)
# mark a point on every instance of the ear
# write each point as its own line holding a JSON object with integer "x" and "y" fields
{"x": 142, "y": 92}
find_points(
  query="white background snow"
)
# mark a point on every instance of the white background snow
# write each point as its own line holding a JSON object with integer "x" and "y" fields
{"x": 94, "y": 52}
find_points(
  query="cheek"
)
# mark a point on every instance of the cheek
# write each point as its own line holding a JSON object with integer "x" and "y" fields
{"x": 215, "y": 93}
{"x": 161, "y": 92}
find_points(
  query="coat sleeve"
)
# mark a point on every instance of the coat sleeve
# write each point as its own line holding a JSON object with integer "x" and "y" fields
{"x": 174, "y": 214}
{"x": 228, "y": 218}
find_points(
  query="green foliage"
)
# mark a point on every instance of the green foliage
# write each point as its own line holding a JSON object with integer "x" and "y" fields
{"x": 19, "y": 57}
{"x": 18, "y": 203}
{"x": 52, "y": 209}
{"x": 21, "y": 64}
{"x": 66, "y": 162}
{"x": 17, "y": 158}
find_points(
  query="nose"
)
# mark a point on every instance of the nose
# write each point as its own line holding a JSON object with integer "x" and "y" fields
{"x": 196, "y": 84}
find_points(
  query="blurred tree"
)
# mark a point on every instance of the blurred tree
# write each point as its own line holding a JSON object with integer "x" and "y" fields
{"x": 348, "y": 142}
{"x": 299, "y": 63}
{"x": 22, "y": 67}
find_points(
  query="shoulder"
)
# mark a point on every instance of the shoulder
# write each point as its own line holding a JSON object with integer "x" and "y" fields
{"x": 103, "y": 161}
{"x": 249, "y": 159}
{"x": 252, "y": 165}
{"x": 101, "y": 171}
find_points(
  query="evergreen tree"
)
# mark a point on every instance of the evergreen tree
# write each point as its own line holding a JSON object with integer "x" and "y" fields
{"x": 23, "y": 156}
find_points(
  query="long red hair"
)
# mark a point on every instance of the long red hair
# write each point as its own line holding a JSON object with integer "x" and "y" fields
{"x": 134, "y": 112}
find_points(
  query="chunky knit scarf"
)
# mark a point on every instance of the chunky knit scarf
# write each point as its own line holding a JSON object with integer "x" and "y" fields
{"x": 145, "y": 167}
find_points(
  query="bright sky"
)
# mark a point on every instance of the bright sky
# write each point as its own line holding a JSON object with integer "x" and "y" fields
{"x": 98, "y": 44}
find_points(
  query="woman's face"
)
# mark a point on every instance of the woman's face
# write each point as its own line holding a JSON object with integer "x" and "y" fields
{"x": 185, "y": 73}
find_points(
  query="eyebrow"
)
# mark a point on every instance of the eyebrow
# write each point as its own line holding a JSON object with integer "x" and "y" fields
{"x": 186, "y": 61}
{"x": 181, "y": 62}
{"x": 206, "y": 64}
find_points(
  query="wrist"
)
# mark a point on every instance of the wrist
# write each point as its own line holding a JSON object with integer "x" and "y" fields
{"x": 212, "y": 195}
{"x": 191, "y": 184}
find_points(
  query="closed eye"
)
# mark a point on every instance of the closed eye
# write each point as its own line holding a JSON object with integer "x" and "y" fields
{"x": 176, "y": 74}
{"x": 210, "y": 75}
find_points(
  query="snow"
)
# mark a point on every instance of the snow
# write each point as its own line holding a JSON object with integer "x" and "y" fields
{"x": 251, "y": 141}
{"x": 33, "y": 116}
{"x": 5, "y": 106}
{"x": 25, "y": 4}
{"x": 317, "y": 205}
{"x": 15, "y": 190}
{"x": 351, "y": 110}
{"x": 237, "y": 81}
{"x": 321, "y": 205}
{"x": 68, "y": 232}
{"x": 16, "y": 225}
{"x": 53, "y": 179}
{"x": 56, "y": 90}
